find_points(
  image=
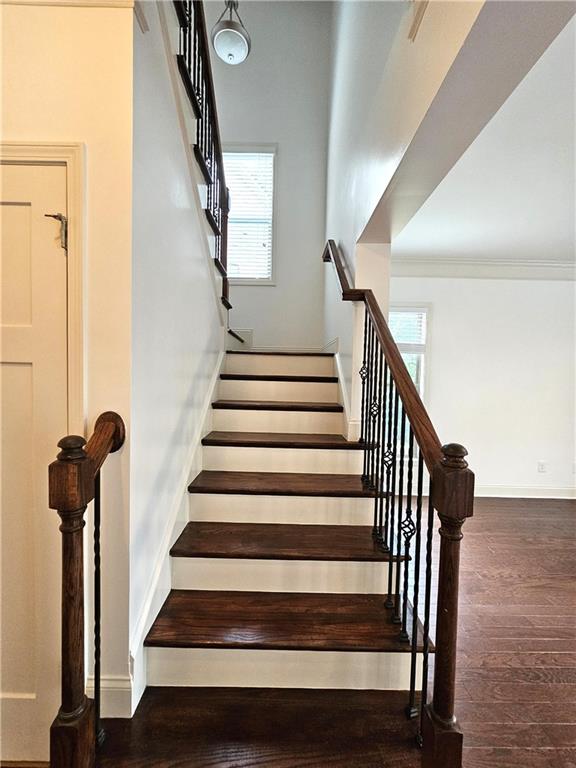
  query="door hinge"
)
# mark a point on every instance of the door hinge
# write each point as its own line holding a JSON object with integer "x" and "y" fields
{"x": 63, "y": 228}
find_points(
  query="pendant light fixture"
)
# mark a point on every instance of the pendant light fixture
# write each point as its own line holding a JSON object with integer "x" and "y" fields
{"x": 230, "y": 38}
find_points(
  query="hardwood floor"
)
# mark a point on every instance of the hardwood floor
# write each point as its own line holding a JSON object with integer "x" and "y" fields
{"x": 280, "y": 440}
{"x": 276, "y": 405}
{"x": 516, "y": 692}
{"x": 262, "y": 728}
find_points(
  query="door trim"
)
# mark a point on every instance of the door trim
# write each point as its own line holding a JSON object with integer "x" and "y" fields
{"x": 72, "y": 156}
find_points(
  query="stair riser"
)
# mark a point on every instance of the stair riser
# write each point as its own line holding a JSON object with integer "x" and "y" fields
{"x": 279, "y": 575}
{"x": 280, "y": 365}
{"x": 311, "y": 510}
{"x": 277, "y": 421}
{"x": 307, "y": 392}
{"x": 278, "y": 669}
{"x": 281, "y": 460}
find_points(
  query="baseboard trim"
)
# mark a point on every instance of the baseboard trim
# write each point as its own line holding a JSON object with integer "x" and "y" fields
{"x": 524, "y": 492}
{"x": 22, "y": 764}
{"x": 116, "y": 695}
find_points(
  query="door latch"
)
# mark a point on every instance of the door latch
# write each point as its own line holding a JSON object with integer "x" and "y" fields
{"x": 63, "y": 228}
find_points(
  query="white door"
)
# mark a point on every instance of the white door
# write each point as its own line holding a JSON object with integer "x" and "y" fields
{"x": 33, "y": 390}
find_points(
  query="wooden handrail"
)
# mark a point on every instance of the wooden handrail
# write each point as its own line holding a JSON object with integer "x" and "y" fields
{"x": 418, "y": 416}
{"x": 71, "y": 487}
{"x": 451, "y": 494}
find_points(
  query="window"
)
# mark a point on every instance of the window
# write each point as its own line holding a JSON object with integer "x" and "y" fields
{"x": 408, "y": 327}
{"x": 250, "y": 179}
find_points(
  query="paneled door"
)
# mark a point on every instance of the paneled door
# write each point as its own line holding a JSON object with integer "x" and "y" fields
{"x": 34, "y": 397}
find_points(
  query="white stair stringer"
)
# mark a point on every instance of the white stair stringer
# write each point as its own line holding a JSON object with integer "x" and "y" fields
{"x": 304, "y": 510}
{"x": 248, "y": 668}
{"x": 255, "y": 459}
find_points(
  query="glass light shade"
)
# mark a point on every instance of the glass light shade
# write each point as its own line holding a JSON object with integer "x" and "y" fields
{"x": 231, "y": 42}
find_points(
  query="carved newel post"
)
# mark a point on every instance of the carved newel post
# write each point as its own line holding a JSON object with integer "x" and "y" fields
{"x": 71, "y": 484}
{"x": 452, "y": 496}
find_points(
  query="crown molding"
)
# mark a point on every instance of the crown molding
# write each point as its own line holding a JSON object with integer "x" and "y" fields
{"x": 504, "y": 269}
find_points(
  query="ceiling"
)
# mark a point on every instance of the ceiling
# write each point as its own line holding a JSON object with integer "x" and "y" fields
{"x": 510, "y": 198}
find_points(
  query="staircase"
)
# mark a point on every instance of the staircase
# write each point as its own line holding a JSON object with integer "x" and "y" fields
{"x": 277, "y": 580}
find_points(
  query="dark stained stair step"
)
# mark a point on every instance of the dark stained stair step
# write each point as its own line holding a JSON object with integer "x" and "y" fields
{"x": 278, "y": 542}
{"x": 276, "y": 405}
{"x": 264, "y": 728}
{"x": 280, "y": 484}
{"x": 271, "y": 377}
{"x": 275, "y": 621}
{"x": 280, "y": 440}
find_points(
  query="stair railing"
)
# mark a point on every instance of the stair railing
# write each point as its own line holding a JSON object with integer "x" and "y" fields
{"x": 196, "y": 73}
{"x": 73, "y": 482}
{"x": 402, "y": 457}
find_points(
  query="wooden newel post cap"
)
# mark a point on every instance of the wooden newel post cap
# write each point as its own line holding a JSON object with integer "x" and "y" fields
{"x": 72, "y": 448}
{"x": 453, "y": 456}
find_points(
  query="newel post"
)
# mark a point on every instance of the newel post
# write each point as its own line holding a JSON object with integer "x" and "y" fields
{"x": 71, "y": 483}
{"x": 452, "y": 497}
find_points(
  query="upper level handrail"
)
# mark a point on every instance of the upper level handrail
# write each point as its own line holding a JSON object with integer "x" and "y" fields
{"x": 72, "y": 485}
{"x": 418, "y": 416}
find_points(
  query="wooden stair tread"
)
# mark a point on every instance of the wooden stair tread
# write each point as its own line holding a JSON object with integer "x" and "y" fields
{"x": 280, "y": 484}
{"x": 276, "y": 405}
{"x": 274, "y": 377}
{"x": 275, "y": 621}
{"x": 266, "y": 727}
{"x": 280, "y": 354}
{"x": 278, "y": 542}
{"x": 280, "y": 440}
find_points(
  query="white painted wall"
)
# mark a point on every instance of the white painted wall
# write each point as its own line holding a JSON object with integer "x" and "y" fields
{"x": 178, "y": 325}
{"x": 379, "y": 99}
{"x": 500, "y": 377}
{"x": 67, "y": 77}
{"x": 279, "y": 95}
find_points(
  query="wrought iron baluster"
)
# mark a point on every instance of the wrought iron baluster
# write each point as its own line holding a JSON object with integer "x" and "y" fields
{"x": 378, "y": 447}
{"x": 397, "y": 618}
{"x": 390, "y": 598}
{"x": 388, "y": 460}
{"x": 411, "y": 709}
{"x": 427, "y": 603}
{"x": 381, "y": 534}
{"x": 375, "y": 409}
{"x": 99, "y": 731}
{"x": 367, "y": 419}
{"x": 408, "y": 530}
{"x": 363, "y": 374}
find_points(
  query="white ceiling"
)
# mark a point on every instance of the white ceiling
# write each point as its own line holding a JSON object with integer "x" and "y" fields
{"x": 510, "y": 198}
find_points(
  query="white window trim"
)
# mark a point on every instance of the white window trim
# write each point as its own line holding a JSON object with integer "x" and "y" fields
{"x": 273, "y": 150}
{"x": 408, "y": 306}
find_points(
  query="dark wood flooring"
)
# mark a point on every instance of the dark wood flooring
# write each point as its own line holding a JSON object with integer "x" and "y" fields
{"x": 278, "y": 542}
{"x": 279, "y": 484}
{"x": 516, "y": 691}
{"x": 275, "y": 620}
{"x": 262, "y": 728}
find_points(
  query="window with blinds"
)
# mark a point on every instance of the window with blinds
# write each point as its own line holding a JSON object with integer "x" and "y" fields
{"x": 408, "y": 328}
{"x": 250, "y": 179}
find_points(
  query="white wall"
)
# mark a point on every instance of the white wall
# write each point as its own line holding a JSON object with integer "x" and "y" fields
{"x": 279, "y": 95}
{"x": 177, "y": 322}
{"x": 382, "y": 86}
{"x": 500, "y": 377}
{"x": 67, "y": 77}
